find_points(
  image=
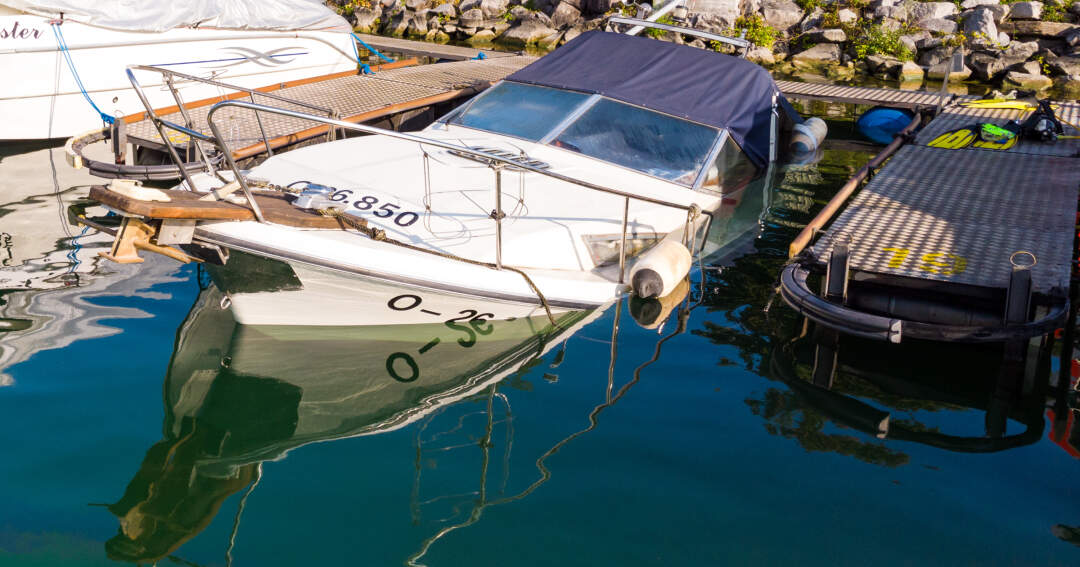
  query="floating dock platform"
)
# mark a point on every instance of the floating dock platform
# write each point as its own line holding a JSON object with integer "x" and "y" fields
{"x": 969, "y": 245}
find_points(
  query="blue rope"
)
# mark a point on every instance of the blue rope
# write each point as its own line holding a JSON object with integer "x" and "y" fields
{"x": 71, "y": 65}
{"x": 365, "y": 69}
{"x": 371, "y": 49}
{"x": 480, "y": 55}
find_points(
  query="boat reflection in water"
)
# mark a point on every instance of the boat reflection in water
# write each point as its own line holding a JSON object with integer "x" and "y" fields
{"x": 236, "y": 396}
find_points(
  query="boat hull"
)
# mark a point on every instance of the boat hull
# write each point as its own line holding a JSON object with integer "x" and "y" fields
{"x": 44, "y": 99}
{"x": 295, "y": 293}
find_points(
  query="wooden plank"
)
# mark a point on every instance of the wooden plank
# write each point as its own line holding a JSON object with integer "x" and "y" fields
{"x": 276, "y": 208}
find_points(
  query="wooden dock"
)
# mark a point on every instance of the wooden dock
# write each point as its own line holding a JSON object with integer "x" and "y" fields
{"x": 412, "y": 48}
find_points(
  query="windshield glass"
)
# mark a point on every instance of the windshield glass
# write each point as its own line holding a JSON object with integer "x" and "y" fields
{"x": 522, "y": 111}
{"x": 660, "y": 145}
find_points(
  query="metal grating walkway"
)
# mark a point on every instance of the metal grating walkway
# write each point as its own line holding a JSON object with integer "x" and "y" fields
{"x": 958, "y": 215}
{"x": 858, "y": 95}
{"x": 349, "y": 96}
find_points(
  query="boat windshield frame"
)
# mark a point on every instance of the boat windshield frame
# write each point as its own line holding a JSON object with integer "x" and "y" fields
{"x": 453, "y": 118}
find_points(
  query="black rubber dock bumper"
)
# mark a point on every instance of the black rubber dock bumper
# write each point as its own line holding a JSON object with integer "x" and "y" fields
{"x": 797, "y": 294}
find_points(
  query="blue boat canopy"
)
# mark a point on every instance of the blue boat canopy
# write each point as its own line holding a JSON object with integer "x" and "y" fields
{"x": 696, "y": 84}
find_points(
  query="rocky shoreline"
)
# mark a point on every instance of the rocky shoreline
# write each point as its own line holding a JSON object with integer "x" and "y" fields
{"x": 1008, "y": 45}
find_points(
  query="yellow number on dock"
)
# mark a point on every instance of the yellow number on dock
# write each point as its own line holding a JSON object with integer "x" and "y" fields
{"x": 943, "y": 263}
{"x": 899, "y": 255}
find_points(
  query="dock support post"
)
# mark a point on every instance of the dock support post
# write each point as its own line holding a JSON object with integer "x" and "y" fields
{"x": 836, "y": 274}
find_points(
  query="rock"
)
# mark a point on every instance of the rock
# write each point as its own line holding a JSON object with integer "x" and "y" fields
{"x": 998, "y": 10}
{"x": 698, "y": 43}
{"x": 981, "y": 22}
{"x": 1075, "y": 8}
{"x": 598, "y": 6}
{"x": 1026, "y": 81}
{"x": 398, "y": 24}
{"x": 551, "y": 41}
{"x": 899, "y": 13}
{"x": 827, "y": 36}
{"x": 937, "y": 25}
{"x": 448, "y": 10}
{"x": 927, "y": 41}
{"x": 441, "y": 36}
{"x": 910, "y": 72}
{"x": 1026, "y": 10}
{"x": 417, "y": 5}
{"x": 935, "y": 56}
{"x": 817, "y": 57}
{"x": 1072, "y": 37}
{"x": 890, "y": 24}
{"x": 481, "y": 37}
{"x": 449, "y": 28}
{"x": 1003, "y": 39}
{"x": 493, "y": 8}
{"x": 525, "y": 33}
{"x": 417, "y": 27}
{"x": 883, "y": 64}
{"x": 781, "y": 14}
{"x": 472, "y": 18}
{"x": 390, "y": 5}
{"x": 985, "y": 67}
{"x": 1069, "y": 86}
{"x": 565, "y": 15}
{"x": 761, "y": 56}
{"x": 932, "y": 11}
{"x": 846, "y": 16}
{"x": 365, "y": 19}
{"x": 1022, "y": 49}
{"x": 1065, "y": 66}
{"x": 1037, "y": 29}
{"x": 938, "y": 72}
{"x": 1028, "y": 68}
{"x": 466, "y": 5}
{"x": 500, "y": 26}
{"x": 571, "y": 34}
{"x": 812, "y": 20}
{"x": 969, "y": 4}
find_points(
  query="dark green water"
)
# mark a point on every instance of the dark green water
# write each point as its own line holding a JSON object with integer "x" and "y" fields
{"x": 139, "y": 424}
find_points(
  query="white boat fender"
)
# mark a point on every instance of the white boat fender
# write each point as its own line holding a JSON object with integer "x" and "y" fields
{"x": 657, "y": 272}
{"x": 808, "y": 136}
{"x": 652, "y": 312}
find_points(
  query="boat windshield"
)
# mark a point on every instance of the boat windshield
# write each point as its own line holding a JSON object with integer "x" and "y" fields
{"x": 522, "y": 111}
{"x": 657, "y": 144}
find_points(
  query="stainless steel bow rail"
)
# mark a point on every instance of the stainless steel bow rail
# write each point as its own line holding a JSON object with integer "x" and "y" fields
{"x": 496, "y": 161}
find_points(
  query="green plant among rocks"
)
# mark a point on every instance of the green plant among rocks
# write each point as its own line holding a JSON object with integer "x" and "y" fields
{"x": 757, "y": 31}
{"x": 655, "y": 33}
{"x": 873, "y": 39}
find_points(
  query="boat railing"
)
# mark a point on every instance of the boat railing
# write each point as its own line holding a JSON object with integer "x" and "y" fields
{"x": 497, "y": 163}
{"x": 639, "y": 24}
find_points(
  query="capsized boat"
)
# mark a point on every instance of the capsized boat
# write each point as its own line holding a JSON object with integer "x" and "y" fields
{"x": 599, "y": 168}
{"x": 64, "y": 60}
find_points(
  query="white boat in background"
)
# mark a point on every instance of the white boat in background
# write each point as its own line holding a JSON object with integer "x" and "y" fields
{"x": 598, "y": 169}
{"x": 64, "y": 60}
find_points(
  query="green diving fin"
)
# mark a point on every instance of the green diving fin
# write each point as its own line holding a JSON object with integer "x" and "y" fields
{"x": 956, "y": 139}
{"x": 994, "y": 137}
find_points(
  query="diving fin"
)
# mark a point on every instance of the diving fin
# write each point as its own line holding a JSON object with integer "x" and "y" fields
{"x": 993, "y": 103}
{"x": 956, "y": 139}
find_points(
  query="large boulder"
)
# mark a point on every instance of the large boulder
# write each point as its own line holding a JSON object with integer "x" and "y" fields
{"x": 1067, "y": 65}
{"x": 932, "y": 11}
{"x": 910, "y": 71}
{"x": 761, "y": 56}
{"x": 817, "y": 57}
{"x": 1037, "y": 29}
{"x": 565, "y": 15}
{"x": 1026, "y": 81}
{"x": 935, "y": 56}
{"x": 781, "y": 14}
{"x": 981, "y": 22}
{"x": 939, "y": 25}
{"x": 446, "y": 10}
{"x": 827, "y": 36}
{"x": 417, "y": 5}
{"x": 969, "y": 4}
{"x": 481, "y": 37}
{"x": 528, "y": 32}
{"x": 365, "y": 19}
{"x": 1026, "y": 10}
{"x": 472, "y": 18}
{"x": 494, "y": 8}
{"x": 726, "y": 10}
{"x": 938, "y": 72}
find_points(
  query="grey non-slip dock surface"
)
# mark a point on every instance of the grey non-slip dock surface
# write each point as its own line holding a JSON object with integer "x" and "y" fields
{"x": 958, "y": 215}
{"x": 347, "y": 96}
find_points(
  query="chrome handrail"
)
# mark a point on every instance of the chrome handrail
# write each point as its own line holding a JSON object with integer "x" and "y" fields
{"x": 739, "y": 42}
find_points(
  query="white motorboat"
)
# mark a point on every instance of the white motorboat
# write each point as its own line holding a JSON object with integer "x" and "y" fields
{"x": 65, "y": 59}
{"x": 598, "y": 168}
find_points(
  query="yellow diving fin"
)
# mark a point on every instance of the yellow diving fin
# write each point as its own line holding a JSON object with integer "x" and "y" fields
{"x": 993, "y": 103}
{"x": 955, "y": 139}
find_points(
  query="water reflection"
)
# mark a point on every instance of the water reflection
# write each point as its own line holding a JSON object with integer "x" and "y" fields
{"x": 236, "y": 396}
{"x": 49, "y": 264}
